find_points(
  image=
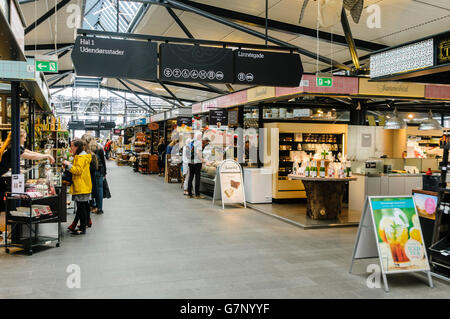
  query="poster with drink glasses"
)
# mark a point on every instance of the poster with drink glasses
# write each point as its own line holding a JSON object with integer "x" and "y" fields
{"x": 398, "y": 234}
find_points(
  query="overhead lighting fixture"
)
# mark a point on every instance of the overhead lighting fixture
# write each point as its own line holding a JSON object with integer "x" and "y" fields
{"x": 430, "y": 124}
{"x": 395, "y": 122}
{"x": 410, "y": 116}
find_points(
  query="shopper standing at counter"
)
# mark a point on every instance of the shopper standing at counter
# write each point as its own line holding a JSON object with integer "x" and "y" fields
{"x": 195, "y": 164}
{"x": 5, "y": 160}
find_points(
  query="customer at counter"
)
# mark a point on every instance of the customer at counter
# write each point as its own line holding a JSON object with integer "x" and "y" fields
{"x": 5, "y": 160}
{"x": 195, "y": 163}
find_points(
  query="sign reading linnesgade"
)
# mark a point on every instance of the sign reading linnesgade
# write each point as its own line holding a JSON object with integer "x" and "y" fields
{"x": 112, "y": 58}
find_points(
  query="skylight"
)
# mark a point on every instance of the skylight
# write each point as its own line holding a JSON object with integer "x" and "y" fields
{"x": 102, "y": 15}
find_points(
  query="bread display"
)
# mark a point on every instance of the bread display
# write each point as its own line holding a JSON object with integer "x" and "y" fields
{"x": 235, "y": 184}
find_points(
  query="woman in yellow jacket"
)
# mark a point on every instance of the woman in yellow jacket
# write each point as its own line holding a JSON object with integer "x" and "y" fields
{"x": 81, "y": 187}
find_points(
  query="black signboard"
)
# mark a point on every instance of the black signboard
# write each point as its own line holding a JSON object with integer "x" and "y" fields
{"x": 443, "y": 49}
{"x": 233, "y": 118}
{"x": 267, "y": 68}
{"x": 113, "y": 58}
{"x": 189, "y": 63}
{"x": 76, "y": 125}
{"x": 186, "y": 120}
{"x": 218, "y": 118}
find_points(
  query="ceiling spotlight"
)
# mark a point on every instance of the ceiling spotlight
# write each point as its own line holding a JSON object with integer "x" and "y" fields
{"x": 395, "y": 122}
{"x": 410, "y": 116}
{"x": 430, "y": 124}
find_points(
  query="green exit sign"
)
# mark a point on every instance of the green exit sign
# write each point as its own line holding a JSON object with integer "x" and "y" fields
{"x": 324, "y": 82}
{"x": 47, "y": 66}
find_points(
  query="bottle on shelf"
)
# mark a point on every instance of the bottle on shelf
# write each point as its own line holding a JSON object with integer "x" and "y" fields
{"x": 314, "y": 169}
{"x": 307, "y": 169}
{"x": 322, "y": 169}
{"x": 348, "y": 170}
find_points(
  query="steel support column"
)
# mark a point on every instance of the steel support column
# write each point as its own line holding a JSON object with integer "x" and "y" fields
{"x": 134, "y": 93}
{"x": 349, "y": 39}
{"x": 15, "y": 127}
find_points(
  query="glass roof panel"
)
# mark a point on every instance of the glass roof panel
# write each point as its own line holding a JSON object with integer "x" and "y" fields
{"x": 102, "y": 15}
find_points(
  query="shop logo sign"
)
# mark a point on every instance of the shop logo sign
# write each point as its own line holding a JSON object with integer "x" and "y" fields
{"x": 74, "y": 279}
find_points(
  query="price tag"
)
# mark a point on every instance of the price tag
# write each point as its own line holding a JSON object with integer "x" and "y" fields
{"x": 17, "y": 183}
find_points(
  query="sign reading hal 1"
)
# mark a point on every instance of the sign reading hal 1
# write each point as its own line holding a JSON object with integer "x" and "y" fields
{"x": 112, "y": 58}
{"x": 46, "y": 66}
{"x": 324, "y": 82}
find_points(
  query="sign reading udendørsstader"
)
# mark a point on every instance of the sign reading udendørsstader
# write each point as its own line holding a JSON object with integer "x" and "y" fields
{"x": 111, "y": 58}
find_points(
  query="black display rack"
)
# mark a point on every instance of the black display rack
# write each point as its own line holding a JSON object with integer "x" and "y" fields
{"x": 14, "y": 200}
{"x": 439, "y": 251}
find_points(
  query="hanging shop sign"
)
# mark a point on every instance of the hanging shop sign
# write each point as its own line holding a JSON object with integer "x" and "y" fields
{"x": 184, "y": 121}
{"x": 391, "y": 88}
{"x": 443, "y": 49}
{"x": 117, "y": 131}
{"x": 390, "y": 229}
{"x": 414, "y": 56}
{"x": 111, "y": 58}
{"x": 229, "y": 183}
{"x": 218, "y": 118}
{"x": 153, "y": 126}
{"x": 267, "y": 68}
{"x": 193, "y": 63}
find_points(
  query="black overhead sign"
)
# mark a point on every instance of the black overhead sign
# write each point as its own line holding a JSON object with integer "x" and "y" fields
{"x": 115, "y": 58}
{"x": 193, "y": 63}
{"x": 267, "y": 68}
{"x": 218, "y": 118}
{"x": 186, "y": 120}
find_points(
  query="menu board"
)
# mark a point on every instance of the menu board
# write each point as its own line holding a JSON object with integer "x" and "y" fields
{"x": 231, "y": 182}
{"x": 218, "y": 118}
{"x": 426, "y": 205}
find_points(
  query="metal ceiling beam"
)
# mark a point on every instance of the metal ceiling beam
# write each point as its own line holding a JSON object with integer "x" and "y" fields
{"x": 138, "y": 17}
{"x": 53, "y": 78}
{"x": 50, "y": 46}
{"x": 170, "y": 92}
{"x": 123, "y": 91}
{"x": 157, "y": 38}
{"x": 46, "y": 15}
{"x": 134, "y": 93}
{"x": 180, "y": 23}
{"x": 128, "y": 100}
{"x": 273, "y": 25}
{"x": 279, "y": 26}
{"x": 230, "y": 88}
{"x": 205, "y": 14}
{"x": 349, "y": 39}
{"x": 151, "y": 93}
{"x": 212, "y": 87}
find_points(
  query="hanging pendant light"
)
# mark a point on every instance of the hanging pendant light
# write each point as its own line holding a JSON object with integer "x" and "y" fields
{"x": 430, "y": 124}
{"x": 395, "y": 122}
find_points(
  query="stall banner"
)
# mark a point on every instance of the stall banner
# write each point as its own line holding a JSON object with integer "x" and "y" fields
{"x": 308, "y": 84}
{"x": 398, "y": 233}
{"x": 193, "y": 63}
{"x": 260, "y": 93}
{"x": 438, "y": 92}
{"x": 229, "y": 179}
{"x": 391, "y": 88}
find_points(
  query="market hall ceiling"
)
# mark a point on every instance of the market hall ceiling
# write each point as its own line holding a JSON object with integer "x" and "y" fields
{"x": 401, "y": 21}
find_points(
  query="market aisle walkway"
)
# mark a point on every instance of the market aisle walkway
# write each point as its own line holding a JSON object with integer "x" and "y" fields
{"x": 152, "y": 242}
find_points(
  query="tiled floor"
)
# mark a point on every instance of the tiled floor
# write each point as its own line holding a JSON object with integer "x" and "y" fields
{"x": 152, "y": 242}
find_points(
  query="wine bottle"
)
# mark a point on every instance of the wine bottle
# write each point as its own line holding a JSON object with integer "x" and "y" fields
{"x": 307, "y": 170}
{"x": 322, "y": 169}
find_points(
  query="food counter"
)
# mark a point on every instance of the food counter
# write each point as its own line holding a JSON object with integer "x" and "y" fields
{"x": 381, "y": 185}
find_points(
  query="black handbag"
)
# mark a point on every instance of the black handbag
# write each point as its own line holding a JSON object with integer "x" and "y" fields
{"x": 106, "y": 192}
{"x": 67, "y": 178}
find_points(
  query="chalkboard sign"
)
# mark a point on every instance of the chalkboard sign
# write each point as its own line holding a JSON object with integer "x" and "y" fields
{"x": 218, "y": 118}
{"x": 233, "y": 118}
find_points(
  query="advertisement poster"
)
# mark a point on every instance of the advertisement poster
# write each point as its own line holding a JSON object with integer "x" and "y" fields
{"x": 231, "y": 182}
{"x": 399, "y": 235}
{"x": 426, "y": 205}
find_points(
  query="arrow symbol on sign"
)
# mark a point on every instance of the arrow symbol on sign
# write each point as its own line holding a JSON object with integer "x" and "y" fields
{"x": 40, "y": 65}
